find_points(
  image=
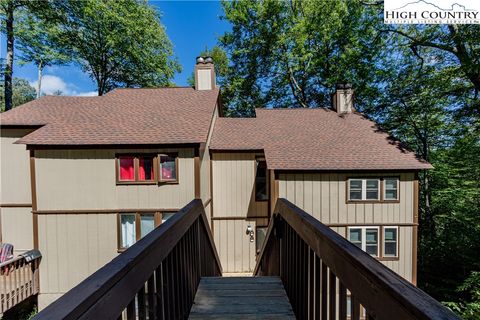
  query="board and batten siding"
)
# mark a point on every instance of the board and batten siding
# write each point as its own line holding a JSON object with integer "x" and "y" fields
{"x": 75, "y": 244}
{"x": 323, "y": 195}
{"x": 233, "y": 186}
{"x": 86, "y": 180}
{"x": 15, "y": 191}
{"x": 73, "y": 247}
{"x": 235, "y": 208}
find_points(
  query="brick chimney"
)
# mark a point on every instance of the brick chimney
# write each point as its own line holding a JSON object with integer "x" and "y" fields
{"x": 205, "y": 74}
{"x": 342, "y": 99}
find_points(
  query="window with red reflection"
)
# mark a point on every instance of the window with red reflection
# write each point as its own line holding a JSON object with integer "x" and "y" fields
{"x": 168, "y": 168}
{"x": 127, "y": 168}
{"x": 145, "y": 169}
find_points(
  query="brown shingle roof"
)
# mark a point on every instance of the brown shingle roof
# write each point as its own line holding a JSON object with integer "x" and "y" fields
{"x": 124, "y": 116}
{"x": 315, "y": 139}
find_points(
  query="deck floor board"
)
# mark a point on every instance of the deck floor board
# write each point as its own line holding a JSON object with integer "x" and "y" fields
{"x": 241, "y": 298}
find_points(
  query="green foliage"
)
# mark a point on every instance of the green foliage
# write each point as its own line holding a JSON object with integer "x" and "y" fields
{"x": 118, "y": 43}
{"x": 292, "y": 53}
{"x": 419, "y": 82}
{"x": 34, "y": 41}
{"x": 23, "y": 92}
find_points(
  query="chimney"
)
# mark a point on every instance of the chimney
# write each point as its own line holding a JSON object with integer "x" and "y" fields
{"x": 205, "y": 74}
{"x": 342, "y": 99}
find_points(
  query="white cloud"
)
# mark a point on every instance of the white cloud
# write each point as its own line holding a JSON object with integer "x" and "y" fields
{"x": 52, "y": 84}
{"x": 87, "y": 94}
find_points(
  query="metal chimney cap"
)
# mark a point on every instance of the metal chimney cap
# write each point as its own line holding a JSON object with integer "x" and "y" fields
{"x": 344, "y": 86}
{"x": 200, "y": 60}
{"x": 208, "y": 59}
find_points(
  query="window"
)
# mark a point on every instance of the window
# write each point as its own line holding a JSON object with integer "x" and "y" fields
{"x": 390, "y": 186}
{"x": 168, "y": 168}
{"x": 363, "y": 189}
{"x": 261, "y": 188}
{"x": 136, "y": 169}
{"x": 390, "y": 242}
{"x": 367, "y": 239}
{"x": 134, "y": 226}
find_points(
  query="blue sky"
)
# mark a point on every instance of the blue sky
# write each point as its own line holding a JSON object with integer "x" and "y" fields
{"x": 191, "y": 26}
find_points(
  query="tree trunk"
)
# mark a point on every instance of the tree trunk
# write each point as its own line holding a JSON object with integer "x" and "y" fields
{"x": 9, "y": 58}
{"x": 39, "y": 80}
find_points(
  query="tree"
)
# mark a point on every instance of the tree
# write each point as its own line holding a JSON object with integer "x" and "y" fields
{"x": 292, "y": 53}
{"x": 460, "y": 46}
{"x": 7, "y": 9}
{"x": 118, "y": 43}
{"x": 22, "y": 93}
{"x": 35, "y": 44}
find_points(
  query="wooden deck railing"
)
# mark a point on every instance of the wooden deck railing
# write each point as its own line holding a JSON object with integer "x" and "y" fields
{"x": 156, "y": 278}
{"x": 18, "y": 279}
{"x": 324, "y": 274}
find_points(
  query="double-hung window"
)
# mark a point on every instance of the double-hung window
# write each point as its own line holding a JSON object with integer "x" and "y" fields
{"x": 363, "y": 189}
{"x": 371, "y": 239}
{"x": 390, "y": 189}
{"x": 373, "y": 189}
{"x": 390, "y": 241}
{"x": 134, "y": 226}
{"x": 365, "y": 238}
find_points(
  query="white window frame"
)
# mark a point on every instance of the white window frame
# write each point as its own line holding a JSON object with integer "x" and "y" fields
{"x": 385, "y": 188}
{"x": 364, "y": 189}
{"x": 364, "y": 238}
{"x": 396, "y": 242}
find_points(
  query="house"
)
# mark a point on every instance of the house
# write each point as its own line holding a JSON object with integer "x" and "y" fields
{"x": 83, "y": 178}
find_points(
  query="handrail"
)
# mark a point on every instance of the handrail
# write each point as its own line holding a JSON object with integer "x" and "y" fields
{"x": 18, "y": 279}
{"x": 321, "y": 271}
{"x": 158, "y": 276}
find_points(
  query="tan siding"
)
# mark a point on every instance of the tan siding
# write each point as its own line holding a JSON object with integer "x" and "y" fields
{"x": 324, "y": 196}
{"x": 15, "y": 168}
{"x": 233, "y": 196}
{"x": 16, "y": 223}
{"x": 233, "y": 186}
{"x": 85, "y": 179}
{"x": 17, "y": 228}
{"x": 73, "y": 246}
{"x": 237, "y": 253}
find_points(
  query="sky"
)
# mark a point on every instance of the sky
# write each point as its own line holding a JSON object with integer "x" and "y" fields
{"x": 190, "y": 25}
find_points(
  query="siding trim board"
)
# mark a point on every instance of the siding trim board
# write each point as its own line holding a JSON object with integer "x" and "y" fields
{"x": 112, "y": 146}
{"x": 15, "y": 205}
{"x": 415, "y": 229}
{"x": 103, "y": 211}
{"x": 33, "y": 186}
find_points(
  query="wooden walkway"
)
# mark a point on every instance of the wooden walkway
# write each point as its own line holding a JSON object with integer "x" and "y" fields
{"x": 241, "y": 298}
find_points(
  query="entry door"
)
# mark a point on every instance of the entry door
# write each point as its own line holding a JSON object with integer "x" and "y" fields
{"x": 235, "y": 240}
